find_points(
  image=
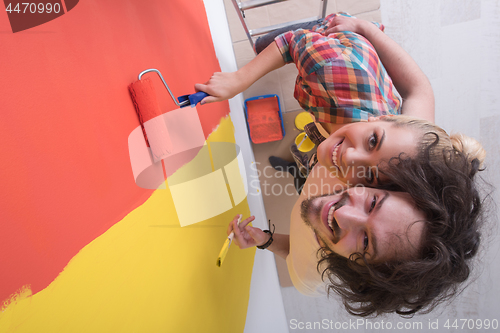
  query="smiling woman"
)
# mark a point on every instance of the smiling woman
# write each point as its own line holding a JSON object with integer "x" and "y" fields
{"x": 353, "y": 152}
{"x": 349, "y": 75}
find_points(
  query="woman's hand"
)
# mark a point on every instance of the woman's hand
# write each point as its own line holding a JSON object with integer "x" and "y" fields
{"x": 344, "y": 23}
{"x": 411, "y": 83}
{"x": 220, "y": 87}
{"x": 246, "y": 236}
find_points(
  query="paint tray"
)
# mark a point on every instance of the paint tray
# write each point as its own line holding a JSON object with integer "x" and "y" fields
{"x": 264, "y": 119}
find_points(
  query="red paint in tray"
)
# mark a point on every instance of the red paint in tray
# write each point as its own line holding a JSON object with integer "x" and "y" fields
{"x": 264, "y": 119}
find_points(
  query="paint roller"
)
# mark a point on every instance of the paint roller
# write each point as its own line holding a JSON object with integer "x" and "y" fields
{"x": 148, "y": 110}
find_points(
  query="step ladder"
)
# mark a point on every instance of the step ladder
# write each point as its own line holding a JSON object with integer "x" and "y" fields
{"x": 241, "y": 6}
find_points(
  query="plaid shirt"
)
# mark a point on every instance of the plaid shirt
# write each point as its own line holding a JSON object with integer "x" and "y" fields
{"x": 341, "y": 78}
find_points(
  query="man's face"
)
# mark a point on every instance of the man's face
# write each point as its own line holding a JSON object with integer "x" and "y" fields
{"x": 381, "y": 223}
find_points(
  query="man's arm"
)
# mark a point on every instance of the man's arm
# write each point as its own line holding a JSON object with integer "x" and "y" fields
{"x": 246, "y": 236}
{"x": 410, "y": 81}
{"x": 280, "y": 245}
{"x": 222, "y": 86}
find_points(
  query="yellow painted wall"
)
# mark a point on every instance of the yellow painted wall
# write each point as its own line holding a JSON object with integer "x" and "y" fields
{"x": 146, "y": 274}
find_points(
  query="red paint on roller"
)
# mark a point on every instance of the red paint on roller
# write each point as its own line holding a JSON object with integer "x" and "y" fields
{"x": 148, "y": 109}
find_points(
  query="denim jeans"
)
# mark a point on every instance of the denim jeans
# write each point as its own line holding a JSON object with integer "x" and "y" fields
{"x": 262, "y": 42}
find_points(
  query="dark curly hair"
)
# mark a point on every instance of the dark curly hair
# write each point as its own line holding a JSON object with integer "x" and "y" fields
{"x": 445, "y": 191}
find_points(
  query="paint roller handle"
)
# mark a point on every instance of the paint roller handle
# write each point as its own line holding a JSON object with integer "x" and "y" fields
{"x": 192, "y": 99}
{"x": 197, "y": 97}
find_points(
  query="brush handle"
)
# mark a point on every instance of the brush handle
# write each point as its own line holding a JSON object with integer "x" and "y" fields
{"x": 231, "y": 235}
{"x": 301, "y": 142}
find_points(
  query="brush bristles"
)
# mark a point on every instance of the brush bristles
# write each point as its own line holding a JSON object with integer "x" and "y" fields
{"x": 223, "y": 253}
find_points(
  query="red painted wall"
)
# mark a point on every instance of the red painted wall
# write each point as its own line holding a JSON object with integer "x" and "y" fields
{"x": 65, "y": 118}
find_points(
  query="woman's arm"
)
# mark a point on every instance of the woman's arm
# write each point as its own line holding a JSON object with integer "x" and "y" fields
{"x": 222, "y": 86}
{"x": 408, "y": 78}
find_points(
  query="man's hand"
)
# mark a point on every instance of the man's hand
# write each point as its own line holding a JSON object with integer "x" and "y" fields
{"x": 246, "y": 236}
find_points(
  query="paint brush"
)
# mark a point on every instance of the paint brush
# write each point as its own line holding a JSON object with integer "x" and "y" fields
{"x": 225, "y": 247}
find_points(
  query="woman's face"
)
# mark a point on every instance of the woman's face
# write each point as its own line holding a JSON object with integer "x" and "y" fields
{"x": 354, "y": 151}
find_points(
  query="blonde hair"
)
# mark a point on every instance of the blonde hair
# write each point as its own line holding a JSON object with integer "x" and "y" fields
{"x": 470, "y": 147}
{"x": 466, "y": 145}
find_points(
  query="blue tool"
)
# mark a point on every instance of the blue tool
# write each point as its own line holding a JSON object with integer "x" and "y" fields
{"x": 192, "y": 99}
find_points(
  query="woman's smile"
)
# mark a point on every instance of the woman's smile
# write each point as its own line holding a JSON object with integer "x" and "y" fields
{"x": 336, "y": 155}
{"x": 355, "y": 151}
